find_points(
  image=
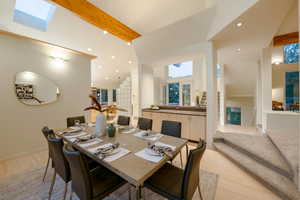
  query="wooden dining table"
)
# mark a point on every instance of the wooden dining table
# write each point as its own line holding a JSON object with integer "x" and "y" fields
{"x": 135, "y": 170}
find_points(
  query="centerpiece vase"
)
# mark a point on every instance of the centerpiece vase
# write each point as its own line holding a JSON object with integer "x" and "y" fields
{"x": 100, "y": 125}
{"x": 111, "y": 130}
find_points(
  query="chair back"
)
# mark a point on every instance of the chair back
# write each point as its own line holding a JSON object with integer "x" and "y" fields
{"x": 61, "y": 164}
{"x": 46, "y": 132}
{"x": 144, "y": 124}
{"x": 171, "y": 128}
{"x": 191, "y": 172}
{"x": 123, "y": 120}
{"x": 81, "y": 183}
{"x": 71, "y": 120}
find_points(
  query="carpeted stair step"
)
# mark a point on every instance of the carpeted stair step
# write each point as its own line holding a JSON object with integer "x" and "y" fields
{"x": 279, "y": 184}
{"x": 259, "y": 148}
{"x": 288, "y": 147}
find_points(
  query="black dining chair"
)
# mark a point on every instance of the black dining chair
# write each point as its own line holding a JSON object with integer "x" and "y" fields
{"x": 47, "y": 132}
{"x": 175, "y": 183}
{"x": 144, "y": 124}
{"x": 61, "y": 165}
{"x": 172, "y": 128}
{"x": 71, "y": 121}
{"x": 90, "y": 185}
{"x": 123, "y": 120}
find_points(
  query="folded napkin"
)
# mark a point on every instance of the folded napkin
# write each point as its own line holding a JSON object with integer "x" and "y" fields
{"x": 162, "y": 149}
{"x": 72, "y": 138}
{"x": 90, "y": 142}
{"x": 148, "y": 135}
{"x": 70, "y": 130}
{"x": 103, "y": 149}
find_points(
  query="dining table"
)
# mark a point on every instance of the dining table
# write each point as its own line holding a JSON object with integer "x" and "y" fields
{"x": 130, "y": 166}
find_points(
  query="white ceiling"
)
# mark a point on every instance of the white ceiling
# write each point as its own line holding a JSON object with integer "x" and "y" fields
{"x": 260, "y": 24}
{"x": 145, "y": 16}
{"x": 68, "y": 30}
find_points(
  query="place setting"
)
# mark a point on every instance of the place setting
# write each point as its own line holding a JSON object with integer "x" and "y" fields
{"x": 109, "y": 151}
{"x": 148, "y": 135}
{"x": 155, "y": 152}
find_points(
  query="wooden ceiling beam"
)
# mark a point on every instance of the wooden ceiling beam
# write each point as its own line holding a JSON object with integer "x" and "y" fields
{"x": 285, "y": 39}
{"x": 93, "y": 15}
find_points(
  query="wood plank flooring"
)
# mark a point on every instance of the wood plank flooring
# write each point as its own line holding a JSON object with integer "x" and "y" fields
{"x": 234, "y": 183}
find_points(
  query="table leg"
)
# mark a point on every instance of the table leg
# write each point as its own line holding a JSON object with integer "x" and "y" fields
{"x": 138, "y": 193}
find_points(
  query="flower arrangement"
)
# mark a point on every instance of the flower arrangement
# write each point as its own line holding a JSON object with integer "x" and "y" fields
{"x": 109, "y": 110}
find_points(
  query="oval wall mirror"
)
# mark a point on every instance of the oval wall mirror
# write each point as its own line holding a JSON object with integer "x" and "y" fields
{"x": 34, "y": 89}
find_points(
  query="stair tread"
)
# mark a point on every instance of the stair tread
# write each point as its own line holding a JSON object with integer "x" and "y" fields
{"x": 260, "y": 146}
{"x": 280, "y": 184}
{"x": 288, "y": 146}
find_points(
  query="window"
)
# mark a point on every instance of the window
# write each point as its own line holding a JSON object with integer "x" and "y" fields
{"x": 173, "y": 93}
{"x": 186, "y": 94}
{"x": 291, "y": 53}
{"x": 104, "y": 96}
{"x": 180, "y": 70}
{"x": 33, "y": 13}
{"x": 114, "y": 95}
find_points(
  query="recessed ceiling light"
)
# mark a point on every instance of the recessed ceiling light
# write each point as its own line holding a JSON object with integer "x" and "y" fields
{"x": 238, "y": 50}
{"x": 117, "y": 71}
{"x": 128, "y": 43}
{"x": 113, "y": 57}
{"x": 130, "y": 62}
{"x": 239, "y": 24}
{"x": 89, "y": 49}
{"x": 105, "y": 32}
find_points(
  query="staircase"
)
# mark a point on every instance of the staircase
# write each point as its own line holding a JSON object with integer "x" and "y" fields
{"x": 260, "y": 156}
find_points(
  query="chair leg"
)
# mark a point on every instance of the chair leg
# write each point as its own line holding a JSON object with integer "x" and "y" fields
{"x": 66, "y": 190}
{"x": 181, "y": 159}
{"x": 129, "y": 192}
{"x": 71, "y": 193}
{"x": 52, "y": 184}
{"x": 144, "y": 193}
{"x": 187, "y": 152}
{"x": 201, "y": 198}
{"x": 48, "y": 161}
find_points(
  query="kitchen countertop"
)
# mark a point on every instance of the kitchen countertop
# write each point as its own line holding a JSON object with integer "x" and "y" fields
{"x": 180, "y": 112}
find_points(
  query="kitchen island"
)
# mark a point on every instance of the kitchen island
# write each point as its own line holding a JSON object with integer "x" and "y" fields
{"x": 193, "y": 120}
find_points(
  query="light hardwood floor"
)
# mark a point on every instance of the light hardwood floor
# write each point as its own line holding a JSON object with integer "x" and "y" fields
{"x": 234, "y": 183}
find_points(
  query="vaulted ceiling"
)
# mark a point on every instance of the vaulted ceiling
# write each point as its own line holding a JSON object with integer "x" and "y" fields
{"x": 145, "y": 16}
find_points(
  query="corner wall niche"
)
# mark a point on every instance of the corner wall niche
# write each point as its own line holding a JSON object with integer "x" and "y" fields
{"x": 34, "y": 89}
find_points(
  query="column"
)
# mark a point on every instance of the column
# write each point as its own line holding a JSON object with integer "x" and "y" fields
{"x": 212, "y": 110}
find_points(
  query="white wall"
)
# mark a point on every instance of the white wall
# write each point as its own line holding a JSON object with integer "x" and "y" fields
{"x": 21, "y": 124}
{"x": 198, "y": 79}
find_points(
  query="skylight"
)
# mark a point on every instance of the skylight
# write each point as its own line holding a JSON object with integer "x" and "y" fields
{"x": 183, "y": 69}
{"x": 34, "y": 13}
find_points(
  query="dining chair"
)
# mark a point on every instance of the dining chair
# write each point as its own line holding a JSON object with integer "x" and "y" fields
{"x": 144, "y": 124}
{"x": 61, "y": 165}
{"x": 172, "y": 128}
{"x": 123, "y": 120}
{"x": 46, "y": 132}
{"x": 94, "y": 184}
{"x": 71, "y": 120}
{"x": 175, "y": 183}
